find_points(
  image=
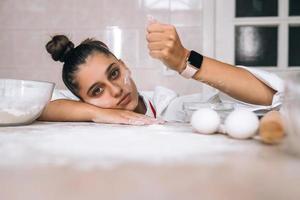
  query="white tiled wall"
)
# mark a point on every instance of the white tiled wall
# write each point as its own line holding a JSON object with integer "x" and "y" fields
{"x": 26, "y": 26}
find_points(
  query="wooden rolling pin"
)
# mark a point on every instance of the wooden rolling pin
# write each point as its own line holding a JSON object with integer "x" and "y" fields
{"x": 271, "y": 129}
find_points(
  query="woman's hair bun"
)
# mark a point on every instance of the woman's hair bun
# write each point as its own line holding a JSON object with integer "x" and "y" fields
{"x": 59, "y": 47}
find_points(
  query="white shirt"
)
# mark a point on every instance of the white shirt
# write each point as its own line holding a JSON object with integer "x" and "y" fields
{"x": 168, "y": 105}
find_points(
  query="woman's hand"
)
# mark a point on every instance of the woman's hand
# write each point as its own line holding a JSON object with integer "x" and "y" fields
{"x": 114, "y": 116}
{"x": 165, "y": 45}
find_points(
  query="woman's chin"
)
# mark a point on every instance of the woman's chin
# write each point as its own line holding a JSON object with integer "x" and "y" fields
{"x": 132, "y": 106}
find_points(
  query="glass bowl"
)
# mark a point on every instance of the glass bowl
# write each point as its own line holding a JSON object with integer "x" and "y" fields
{"x": 222, "y": 108}
{"x": 23, "y": 101}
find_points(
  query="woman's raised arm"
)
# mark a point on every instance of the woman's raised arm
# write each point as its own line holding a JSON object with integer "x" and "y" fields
{"x": 164, "y": 44}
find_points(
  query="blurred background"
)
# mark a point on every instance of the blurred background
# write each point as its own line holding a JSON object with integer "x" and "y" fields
{"x": 258, "y": 33}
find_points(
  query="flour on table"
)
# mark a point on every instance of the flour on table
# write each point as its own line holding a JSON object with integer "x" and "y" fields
{"x": 105, "y": 145}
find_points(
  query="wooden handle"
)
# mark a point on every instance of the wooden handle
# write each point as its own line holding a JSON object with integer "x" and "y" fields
{"x": 271, "y": 129}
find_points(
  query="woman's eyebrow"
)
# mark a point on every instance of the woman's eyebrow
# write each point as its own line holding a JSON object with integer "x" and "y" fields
{"x": 109, "y": 68}
{"x": 106, "y": 72}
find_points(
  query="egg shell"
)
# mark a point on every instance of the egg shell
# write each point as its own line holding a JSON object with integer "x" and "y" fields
{"x": 205, "y": 121}
{"x": 241, "y": 124}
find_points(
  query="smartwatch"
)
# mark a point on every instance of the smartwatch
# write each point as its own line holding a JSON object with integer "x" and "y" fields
{"x": 193, "y": 64}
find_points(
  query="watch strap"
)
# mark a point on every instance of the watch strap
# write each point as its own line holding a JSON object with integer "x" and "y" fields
{"x": 189, "y": 71}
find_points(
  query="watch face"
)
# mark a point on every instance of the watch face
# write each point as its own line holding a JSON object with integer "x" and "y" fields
{"x": 195, "y": 59}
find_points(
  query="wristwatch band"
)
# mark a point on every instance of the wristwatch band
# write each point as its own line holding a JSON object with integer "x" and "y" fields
{"x": 193, "y": 64}
{"x": 189, "y": 71}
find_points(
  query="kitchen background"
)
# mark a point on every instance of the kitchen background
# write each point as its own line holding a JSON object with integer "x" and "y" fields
{"x": 260, "y": 33}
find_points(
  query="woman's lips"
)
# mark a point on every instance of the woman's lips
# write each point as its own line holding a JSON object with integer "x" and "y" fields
{"x": 125, "y": 100}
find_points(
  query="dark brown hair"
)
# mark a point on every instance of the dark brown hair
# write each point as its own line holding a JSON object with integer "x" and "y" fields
{"x": 63, "y": 50}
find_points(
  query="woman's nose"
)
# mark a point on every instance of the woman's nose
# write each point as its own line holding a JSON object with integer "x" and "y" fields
{"x": 116, "y": 90}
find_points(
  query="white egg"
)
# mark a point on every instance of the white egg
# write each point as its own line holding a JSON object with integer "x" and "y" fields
{"x": 205, "y": 121}
{"x": 241, "y": 124}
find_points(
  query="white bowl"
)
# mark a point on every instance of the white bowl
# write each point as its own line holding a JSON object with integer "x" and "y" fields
{"x": 22, "y": 101}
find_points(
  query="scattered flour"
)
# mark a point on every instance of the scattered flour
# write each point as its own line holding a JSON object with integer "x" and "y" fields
{"x": 91, "y": 144}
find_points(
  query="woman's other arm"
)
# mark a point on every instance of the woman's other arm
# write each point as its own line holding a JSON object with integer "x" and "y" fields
{"x": 64, "y": 110}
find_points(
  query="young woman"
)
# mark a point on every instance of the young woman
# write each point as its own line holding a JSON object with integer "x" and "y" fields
{"x": 101, "y": 89}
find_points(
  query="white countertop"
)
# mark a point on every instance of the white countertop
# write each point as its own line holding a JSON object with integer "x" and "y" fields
{"x": 88, "y": 160}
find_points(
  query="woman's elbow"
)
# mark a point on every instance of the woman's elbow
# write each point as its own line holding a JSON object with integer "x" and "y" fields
{"x": 267, "y": 97}
{"x": 46, "y": 114}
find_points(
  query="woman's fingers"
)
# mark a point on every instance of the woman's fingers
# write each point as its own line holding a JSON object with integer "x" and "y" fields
{"x": 159, "y": 27}
{"x": 138, "y": 119}
{"x": 157, "y": 37}
{"x": 114, "y": 116}
{"x": 164, "y": 44}
{"x": 168, "y": 45}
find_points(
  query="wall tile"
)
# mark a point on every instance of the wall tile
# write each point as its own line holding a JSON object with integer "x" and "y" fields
{"x": 41, "y": 14}
{"x": 186, "y": 18}
{"x": 6, "y": 14}
{"x": 155, "y": 5}
{"x": 78, "y": 36}
{"x": 29, "y": 48}
{"x": 89, "y": 14}
{"x": 129, "y": 46}
{"x": 7, "y": 57}
{"x": 120, "y": 13}
{"x": 60, "y": 14}
{"x": 51, "y": 74}
{"x": 191, "y": 37}
{"x": 185, "y": 5}
{"x": 30, "y": 14}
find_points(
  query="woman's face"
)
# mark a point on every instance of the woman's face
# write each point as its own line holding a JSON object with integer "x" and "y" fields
{"x": 104, "y": 81}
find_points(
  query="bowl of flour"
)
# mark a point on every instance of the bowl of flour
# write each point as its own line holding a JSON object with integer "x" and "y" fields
{"x": 22, "y": 101}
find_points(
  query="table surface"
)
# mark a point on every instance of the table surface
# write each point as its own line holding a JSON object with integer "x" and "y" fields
{"x": 88, "y": 161}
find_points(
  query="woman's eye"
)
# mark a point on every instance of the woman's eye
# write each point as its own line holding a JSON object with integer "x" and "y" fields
{"x": 97, "y": 91}
{"x": 115, "y": 74}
